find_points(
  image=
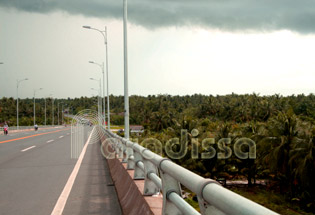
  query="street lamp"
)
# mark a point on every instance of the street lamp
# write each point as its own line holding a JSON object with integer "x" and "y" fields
{"x": 102, "y": 70}
{"x": 52, "y": 111}
{"x": 34, "y": 105}
{"x": 1, "y": 63}
{"x": 62, "y": 113}
{"x": 104, "y": 34}
{"x": 100, "y": 103}
{"x": 126, "y": 73}
{"x": 98, "y": 98}
{"x": 17, "y": 101}
{"x": 46, "y": 108}
{"x": 59, "y": 111}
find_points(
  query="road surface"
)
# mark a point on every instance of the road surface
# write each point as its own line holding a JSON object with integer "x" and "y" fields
{"x": 35, "y": 168}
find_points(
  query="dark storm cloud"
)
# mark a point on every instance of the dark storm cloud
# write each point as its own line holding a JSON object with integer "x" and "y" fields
{"x": 296, "y": 15}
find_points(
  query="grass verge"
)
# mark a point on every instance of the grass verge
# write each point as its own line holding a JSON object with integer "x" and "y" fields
{"x": 269, "y": 199}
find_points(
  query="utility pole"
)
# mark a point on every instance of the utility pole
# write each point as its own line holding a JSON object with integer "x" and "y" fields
{"x": 126, "y": 73}
{"x": 17, "y": 101}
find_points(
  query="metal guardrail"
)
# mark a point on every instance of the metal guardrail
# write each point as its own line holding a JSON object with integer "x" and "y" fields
{"x": 212, "y": 197}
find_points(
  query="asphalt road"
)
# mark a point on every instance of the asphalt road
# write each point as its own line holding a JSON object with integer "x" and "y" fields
{"x": 35, "y": 167}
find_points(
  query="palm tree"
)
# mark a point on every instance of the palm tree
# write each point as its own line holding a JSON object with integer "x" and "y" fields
{"x": 302, "y": 162}
{"x": 283, "y": 136}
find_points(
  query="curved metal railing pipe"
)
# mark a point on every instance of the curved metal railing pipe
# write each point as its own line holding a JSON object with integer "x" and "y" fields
{"x": 212, "y": 197}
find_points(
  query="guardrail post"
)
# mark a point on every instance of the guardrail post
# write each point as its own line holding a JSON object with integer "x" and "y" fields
{"x": 169, "y": 185}
{"x": 138, "y": 173}
{"x": 116, "y": 146}
{"x": 119, "y": 148}
{"x": 120, "y": 151}
{"x": 205, "y": 207}
{"x": 124, "y": 153}
{"x": 150, "y": 188}
{"x": 129, "y": 156}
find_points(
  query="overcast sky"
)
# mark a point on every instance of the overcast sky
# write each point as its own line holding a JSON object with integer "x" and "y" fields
{"x": 175, "y": 46}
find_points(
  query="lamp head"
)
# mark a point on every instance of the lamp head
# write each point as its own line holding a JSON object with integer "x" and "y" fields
{"x": 86, "y": 26}
{"x": 91, "y": 61}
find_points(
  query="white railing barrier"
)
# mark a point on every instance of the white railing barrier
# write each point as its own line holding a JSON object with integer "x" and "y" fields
{"x": 212, "y": 197}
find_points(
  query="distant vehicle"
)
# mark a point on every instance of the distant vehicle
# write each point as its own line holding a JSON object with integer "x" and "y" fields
{"x": 5, "y": 129}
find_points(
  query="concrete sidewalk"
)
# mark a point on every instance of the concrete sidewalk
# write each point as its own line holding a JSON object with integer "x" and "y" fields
{"x": 93, "y": 191}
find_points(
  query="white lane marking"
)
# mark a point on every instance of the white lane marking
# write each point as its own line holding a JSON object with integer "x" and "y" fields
{"x": 49, "y": 141}
{"x": 61, "y": 137}
{"x": 62, "y": 200}
{"x": 24, "y": 150}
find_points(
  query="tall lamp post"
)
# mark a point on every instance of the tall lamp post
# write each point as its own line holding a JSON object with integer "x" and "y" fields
{"x": 62, "y": 113}
{"x": 52, "y": 111}
{"x": 17, "y": 101}
{"x": 104, "y": 34}
{"x": 100, "y": 104}
{"x": 58, "y": 112}
{"x": 94, "y": 95}
{"x": 98, "y": 99}
{"x": 46, "y": 108}
{"x": 108, "y": 111}
{"x": 126, "y": 73}
{"x": 34, "y": 104}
